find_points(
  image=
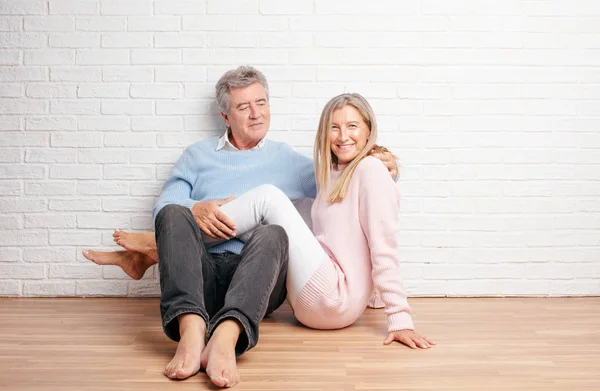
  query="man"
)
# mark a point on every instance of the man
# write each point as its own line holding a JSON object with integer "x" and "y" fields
{"x": 220, "y": 295}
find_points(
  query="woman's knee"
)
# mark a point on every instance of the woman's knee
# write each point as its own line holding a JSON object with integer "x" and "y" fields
{"x": 271, "y": 192}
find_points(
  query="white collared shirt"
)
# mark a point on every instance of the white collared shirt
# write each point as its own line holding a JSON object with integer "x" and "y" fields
{"x": 225, "y": 143}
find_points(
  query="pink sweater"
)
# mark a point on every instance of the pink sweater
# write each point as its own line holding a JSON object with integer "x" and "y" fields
{"x": 359, "y": 235}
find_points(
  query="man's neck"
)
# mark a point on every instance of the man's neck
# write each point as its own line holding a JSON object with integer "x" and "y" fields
{"x": 239, "y": 144}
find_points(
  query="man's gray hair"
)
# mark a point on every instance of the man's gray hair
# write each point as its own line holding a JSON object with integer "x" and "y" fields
{"x": 242, "y": 76}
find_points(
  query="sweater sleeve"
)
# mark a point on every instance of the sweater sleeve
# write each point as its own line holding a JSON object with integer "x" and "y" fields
{"x": 178, "y": 188}
{"x": 378, "y": 213}
{"x": 305, "y": 169}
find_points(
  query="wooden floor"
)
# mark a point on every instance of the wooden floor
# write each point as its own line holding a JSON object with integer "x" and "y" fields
{"x": 483, "y": 344}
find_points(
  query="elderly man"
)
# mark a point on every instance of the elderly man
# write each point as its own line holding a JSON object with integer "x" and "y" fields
{"x": 220, "y": 294}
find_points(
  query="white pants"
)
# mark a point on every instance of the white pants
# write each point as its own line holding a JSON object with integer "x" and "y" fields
{"x": 267, "y": 204}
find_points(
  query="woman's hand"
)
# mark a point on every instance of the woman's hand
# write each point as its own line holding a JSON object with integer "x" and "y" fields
{"x": 410, "y": 338}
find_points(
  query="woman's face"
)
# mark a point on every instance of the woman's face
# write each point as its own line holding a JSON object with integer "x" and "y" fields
{"x": 349, "y": 134}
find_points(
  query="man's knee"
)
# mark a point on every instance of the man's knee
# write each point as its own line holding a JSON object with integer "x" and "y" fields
{"x": 171, "y": 212}
{"x": 271, "y": 232}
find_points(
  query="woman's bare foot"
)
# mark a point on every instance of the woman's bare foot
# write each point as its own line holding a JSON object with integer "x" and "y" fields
{"x": 219, "y": 355}
{"x": 142, "y": 242}
{"x": 133, "y": 263}
{"x": 186, "y": 361}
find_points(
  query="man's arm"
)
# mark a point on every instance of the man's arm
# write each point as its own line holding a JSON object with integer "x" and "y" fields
{"x": 388, "y": 158}
{"x": 178, "y": 190}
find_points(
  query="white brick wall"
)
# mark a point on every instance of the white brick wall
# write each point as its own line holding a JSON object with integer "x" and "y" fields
{"x": 493, "y": 108}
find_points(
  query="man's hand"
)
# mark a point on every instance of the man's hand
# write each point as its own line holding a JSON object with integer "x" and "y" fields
{"x": 212, "y": 221}
{"x": 388, "y": 159}
{"x": 410, "y": 338}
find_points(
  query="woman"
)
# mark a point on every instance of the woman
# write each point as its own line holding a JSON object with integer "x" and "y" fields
{"x": 332, "y": 273}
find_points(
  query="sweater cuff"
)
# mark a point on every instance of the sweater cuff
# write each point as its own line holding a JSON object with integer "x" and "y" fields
{"x": 400, "y": 321}
{"x": 189, "y": 203}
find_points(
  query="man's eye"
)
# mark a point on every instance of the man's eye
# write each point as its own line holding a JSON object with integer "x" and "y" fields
{"x": 244, "y": 108}
{"x": 262, "y": 103}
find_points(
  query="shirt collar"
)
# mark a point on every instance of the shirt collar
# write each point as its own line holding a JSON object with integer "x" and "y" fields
{"x": 224, "y": 143}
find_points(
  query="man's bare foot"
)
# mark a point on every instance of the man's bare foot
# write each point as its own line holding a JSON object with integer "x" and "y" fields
{"x": 133, "y": 263}
{"x": 142, "y": 242}
{"x": 219, "y": 355}
{"x": 186, "y": 361}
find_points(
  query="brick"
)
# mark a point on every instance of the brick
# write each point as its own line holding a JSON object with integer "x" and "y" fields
{"x": 179, "y": 7}
{"x": 21, "y": 171}
{"x": 49, "y": 220}
{"x": 51, "y": 90}
{"x": 50, "y": 188}
{"x": 103, "y": 57}
{"x": 157, "y": 123}
{"x": 22, "y": 238}
{"x": 75, "y": 106}
{"x": 9, "y": 254}
{"x": 49, "y": 23}
{"x": 74, "y": 237}
{"x": 261, "y": 23}
{"x": 143, "y": 223}
{"x": 53, "y": 155}
{"x": 128, "y": 172}
{"x": 74, "y": 7}
{"x": 10, "y": 57}
{"x": 129, "y": 204}
{"x": 48, "y": 123}
{"x": 147, "y": 189}
{"x": 157, "y": 91}
{"x": 231, "y": 40}
{"x": 232, "y": 7}
{"x": 154, "y": 156}
{"x": 127, "y": 40}
{"x": 155, "y": 56}
{"x": 144, "y": 288}
{"x": 10, "y": 221}
{"x": 102, "y": 220}
{"x": 80, "y": 171}
{"x": 12, "y": 90}
{"x": 10, "y": 188}
{"x": 74, "y": 204}
{"x": 74, "y": 40}
{"x": 76, "y": 139}
{"x": 274, "y": 7}
{"x": 23, "y": 74}
{"x": 101, "y": 23}
{"x": 180, "y": 74}
{"x": 154, "y": 23}
{"x": 128, "y": 74}
{"x": 285, "y": 40}
{"x": 177, "y": 140}
{"x": 103, "y": 155}
{"x": 87, "y": 74}
{"x": 22, "y": 7}
{"x": 10, "y": 288}
{"x": 49, "y": 254}
{"x": 22, "y": 106}
{"x": 22, "y": 40}
{"x": 111, "y": 123}
{"x": 75, "y": 271}
{"x": 101, "y": 288}
{"x": 102, "y": 188}
{"x": 11, "y": 23}
{"x": 11, "y": 155}
{"x": 179, "y": 40}
{"x": 208, "y": 23}
{"x": 105, "y": 90}
{"x": 131, "y": 7}
{"x": 181, "y": 107}
{"x": 228, "y": 56}
{"x": 49, "y": 289}
{"x": 126, "y": 107}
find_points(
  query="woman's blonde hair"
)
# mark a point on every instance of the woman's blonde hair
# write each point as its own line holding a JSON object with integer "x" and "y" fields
{"x": 325, "y": 159}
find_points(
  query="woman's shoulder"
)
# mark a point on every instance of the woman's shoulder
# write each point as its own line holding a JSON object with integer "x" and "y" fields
{"x": 371, "y": 166}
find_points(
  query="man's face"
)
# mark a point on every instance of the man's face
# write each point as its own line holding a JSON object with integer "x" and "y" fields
{"x": 249, "y": 116}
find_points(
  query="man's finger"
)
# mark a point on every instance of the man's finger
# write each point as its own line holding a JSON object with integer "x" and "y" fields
{"x": 223, "y": 218}
{"x": 225, "y": 230}
{"x": 223, "y": 201}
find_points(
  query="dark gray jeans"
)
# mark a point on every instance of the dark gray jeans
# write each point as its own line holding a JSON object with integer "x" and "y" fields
{"x": 245, "y": 287}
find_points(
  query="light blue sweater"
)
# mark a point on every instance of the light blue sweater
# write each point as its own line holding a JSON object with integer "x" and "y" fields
{"x": 202, "y": 174}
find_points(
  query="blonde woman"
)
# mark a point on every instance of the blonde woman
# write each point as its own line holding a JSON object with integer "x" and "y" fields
{"x": 333, "y": 272}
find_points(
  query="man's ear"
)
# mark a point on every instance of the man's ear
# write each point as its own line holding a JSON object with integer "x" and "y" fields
{"x": 225, "y": 118}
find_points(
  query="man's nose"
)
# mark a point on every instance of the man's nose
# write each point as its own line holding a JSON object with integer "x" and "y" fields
{"x": 254, "y": 112}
